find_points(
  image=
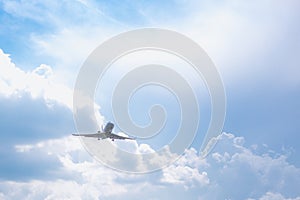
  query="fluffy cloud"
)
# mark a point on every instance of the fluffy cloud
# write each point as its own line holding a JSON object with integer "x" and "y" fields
{"x": 185, "y": 176}
{"x": 38, "y": 82}
{"x": 230, "y": 166}
{"x": 33, "y": 108}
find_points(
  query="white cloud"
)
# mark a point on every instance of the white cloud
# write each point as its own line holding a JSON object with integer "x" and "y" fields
{"x": 241, "y": 38}
{"x": 38, "y": 82}
{"x": 59, "y": 189}
{"x": 55, "y": 146}
{"x": 187, "y": 176}
{"x": 41, "y": 82}
{"x": 275, "y": 196}
{"x": 23, "y": 148}
{"x": 230, "y": 166}
{"x": 187, "y": 171}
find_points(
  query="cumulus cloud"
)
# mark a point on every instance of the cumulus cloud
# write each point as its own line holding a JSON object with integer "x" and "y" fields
{"x": 184, "y": 175}
{"x": 233, "y": 165}
{"x": 218, "y": 176}
{"x": 78, "y": 171}
{"x": 38, "y": 82}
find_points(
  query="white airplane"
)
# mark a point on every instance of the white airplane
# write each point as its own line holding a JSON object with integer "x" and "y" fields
{"x": 106, "y": 133}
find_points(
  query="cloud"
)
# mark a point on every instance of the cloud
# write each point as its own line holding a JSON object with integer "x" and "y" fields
{"x": 33, "y": 108}
{"x": 274, "y": 196}
{"x": 246, "y": 40}
{"x": 230, "y": 166}
{"x": 27, "y": 120}
{"x": 188, "y": 171}
{"x": 78, "y": 171}
{"x": 187, "y": 176}
{"x": 38, "y": 83}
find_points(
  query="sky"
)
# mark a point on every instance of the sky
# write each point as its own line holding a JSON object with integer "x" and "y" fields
{"x": 255, "y": 46}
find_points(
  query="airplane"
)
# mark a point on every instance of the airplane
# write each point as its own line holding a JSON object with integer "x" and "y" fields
{"x": 106, "y": 133}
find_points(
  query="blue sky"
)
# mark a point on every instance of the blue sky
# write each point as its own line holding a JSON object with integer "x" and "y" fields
{"x": 255, "y": 46}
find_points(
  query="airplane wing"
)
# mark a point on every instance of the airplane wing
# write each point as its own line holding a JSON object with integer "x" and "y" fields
{"x": 96, "y": 135}
{"x": 115, "y": 136}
